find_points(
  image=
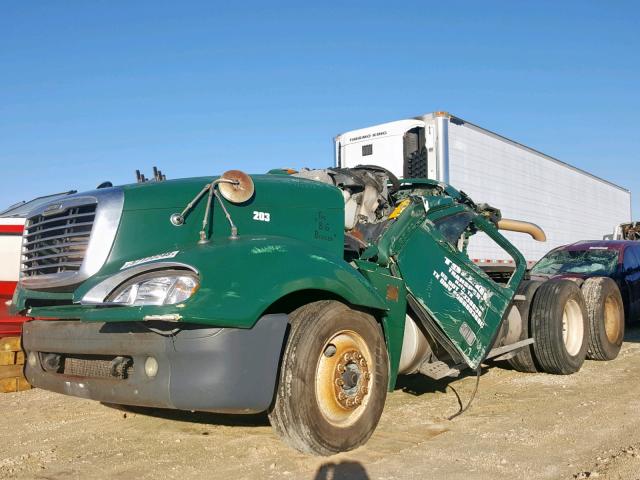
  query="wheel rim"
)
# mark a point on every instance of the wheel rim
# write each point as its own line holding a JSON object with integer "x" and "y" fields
{"x": 343, "y": 378}
{"x": 572, "y": 327}
{"x": 612, "y": 319}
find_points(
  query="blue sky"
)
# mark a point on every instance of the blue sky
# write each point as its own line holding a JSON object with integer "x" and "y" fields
{"x": 90, "y": 91}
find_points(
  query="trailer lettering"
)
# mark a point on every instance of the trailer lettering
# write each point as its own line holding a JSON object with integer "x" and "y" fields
{"x": 368, "y": 135}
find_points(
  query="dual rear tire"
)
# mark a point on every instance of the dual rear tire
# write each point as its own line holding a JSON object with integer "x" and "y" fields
{"x": 524, "y": 360}
{"x": 606, "y": 318}
{"x": 554, "y": 314}
{"x": 569, "y": 324}
{"x": 560, "y": 327}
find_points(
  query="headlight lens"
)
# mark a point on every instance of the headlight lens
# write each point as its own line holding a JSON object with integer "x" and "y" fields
{"x": 159, "y": 289}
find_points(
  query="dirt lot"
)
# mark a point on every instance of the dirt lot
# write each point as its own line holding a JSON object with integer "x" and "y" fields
{"x": 520, "y": 426}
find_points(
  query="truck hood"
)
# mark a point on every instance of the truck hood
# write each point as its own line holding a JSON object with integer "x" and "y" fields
{"x": 270, "y": 190}
{"x": 140, "y": 226}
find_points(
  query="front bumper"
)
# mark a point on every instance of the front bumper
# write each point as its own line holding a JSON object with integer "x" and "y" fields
{"x": 199, "y": 368}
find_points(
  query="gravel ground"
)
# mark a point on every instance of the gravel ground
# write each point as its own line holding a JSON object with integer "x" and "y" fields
{"x": 521, "y": 426}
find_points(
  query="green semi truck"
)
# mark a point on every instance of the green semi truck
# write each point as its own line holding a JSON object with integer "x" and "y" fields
{"x": 303, "y": 294}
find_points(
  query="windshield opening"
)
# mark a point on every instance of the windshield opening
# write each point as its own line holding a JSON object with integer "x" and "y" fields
{"x": 595, "y": 261}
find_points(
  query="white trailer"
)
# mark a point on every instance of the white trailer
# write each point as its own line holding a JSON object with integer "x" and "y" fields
{"x": 568, "y": 203}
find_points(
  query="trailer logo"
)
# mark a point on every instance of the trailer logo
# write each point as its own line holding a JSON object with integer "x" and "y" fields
{"x": 368, "y": 135}
{"x": 160, "y": 256}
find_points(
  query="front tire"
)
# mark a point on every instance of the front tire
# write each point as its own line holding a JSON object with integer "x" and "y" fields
{"x": 560, "y": 327}
{"x": 333, "y": 379}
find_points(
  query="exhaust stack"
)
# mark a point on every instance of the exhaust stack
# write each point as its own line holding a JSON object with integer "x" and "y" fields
{"x": 523, "y": 227}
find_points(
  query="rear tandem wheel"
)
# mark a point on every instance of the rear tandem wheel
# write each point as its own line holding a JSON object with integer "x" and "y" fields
{"x": 606, "y": 317}
{"x": 560, "y": 327}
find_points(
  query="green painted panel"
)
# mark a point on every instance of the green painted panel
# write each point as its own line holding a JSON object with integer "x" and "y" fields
{"x": 240, "y": 279}
{"x": 465, "y": 302}
{"x": 393, "y": 290}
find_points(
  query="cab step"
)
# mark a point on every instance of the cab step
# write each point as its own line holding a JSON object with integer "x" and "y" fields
{"x": 438, "y": 370}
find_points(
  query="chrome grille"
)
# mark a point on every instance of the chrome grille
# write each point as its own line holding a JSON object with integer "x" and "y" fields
{"x": 57, "y": 242}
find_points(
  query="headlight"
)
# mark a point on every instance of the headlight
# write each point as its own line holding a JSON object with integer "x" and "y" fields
{"x": 157, "y": 288}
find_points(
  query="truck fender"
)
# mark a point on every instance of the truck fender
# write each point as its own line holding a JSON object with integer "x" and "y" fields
{"x": 241, "y": 279}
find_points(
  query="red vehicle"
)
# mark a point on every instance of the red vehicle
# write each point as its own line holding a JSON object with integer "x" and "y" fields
{"x": 12, "y": 222}
{"x": 608, "y": 271}
{"x": 10, "y": 242}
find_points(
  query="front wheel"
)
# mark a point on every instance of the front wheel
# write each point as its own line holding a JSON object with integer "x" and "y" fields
{"x": 333, "y": 379}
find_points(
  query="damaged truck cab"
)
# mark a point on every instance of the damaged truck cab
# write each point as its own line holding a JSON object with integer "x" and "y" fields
{"x": 303, "y": 295}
